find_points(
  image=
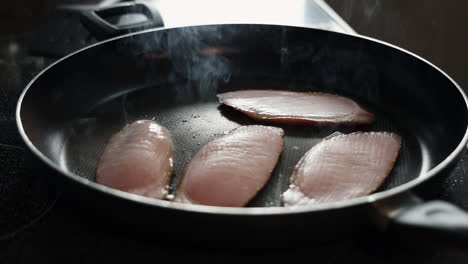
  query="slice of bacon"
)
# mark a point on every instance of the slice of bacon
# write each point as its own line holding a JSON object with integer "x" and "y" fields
{"x": 138, "y": 159}
{"x": 230, "y": 170}
{"x": 343, "y": 166}
{"x": 286, "y": 107}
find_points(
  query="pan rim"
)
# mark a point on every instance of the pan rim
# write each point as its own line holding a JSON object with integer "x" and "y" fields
{"x": 243, "y": 210}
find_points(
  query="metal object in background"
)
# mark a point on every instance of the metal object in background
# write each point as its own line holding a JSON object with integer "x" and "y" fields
{"x": 119, "y": 19}
{"x": 56, "y": 39}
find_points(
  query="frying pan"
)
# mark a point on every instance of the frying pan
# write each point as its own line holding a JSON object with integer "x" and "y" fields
{"x": 67, "y": 113}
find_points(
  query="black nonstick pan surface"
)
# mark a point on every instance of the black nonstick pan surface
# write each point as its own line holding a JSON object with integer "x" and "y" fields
{"x": 69, "y": 111}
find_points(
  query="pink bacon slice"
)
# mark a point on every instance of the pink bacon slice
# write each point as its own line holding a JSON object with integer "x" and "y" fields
{"x": 230, "y": 170}
{"x": 343, "y": 167}
{"x": 138, "y": 159}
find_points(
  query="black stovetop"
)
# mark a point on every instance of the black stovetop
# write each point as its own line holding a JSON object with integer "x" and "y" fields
{"x": 38, "y": 224}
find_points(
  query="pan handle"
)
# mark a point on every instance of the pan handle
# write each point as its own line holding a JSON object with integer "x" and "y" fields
{"x": 98, "y": 21}
{"x": 407, "y": 212}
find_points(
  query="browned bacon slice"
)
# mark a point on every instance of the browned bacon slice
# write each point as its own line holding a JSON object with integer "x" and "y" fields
{"x": 288, "y": 107}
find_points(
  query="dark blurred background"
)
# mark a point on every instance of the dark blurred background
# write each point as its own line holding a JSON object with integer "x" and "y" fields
{"x": 433, "y": 29}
